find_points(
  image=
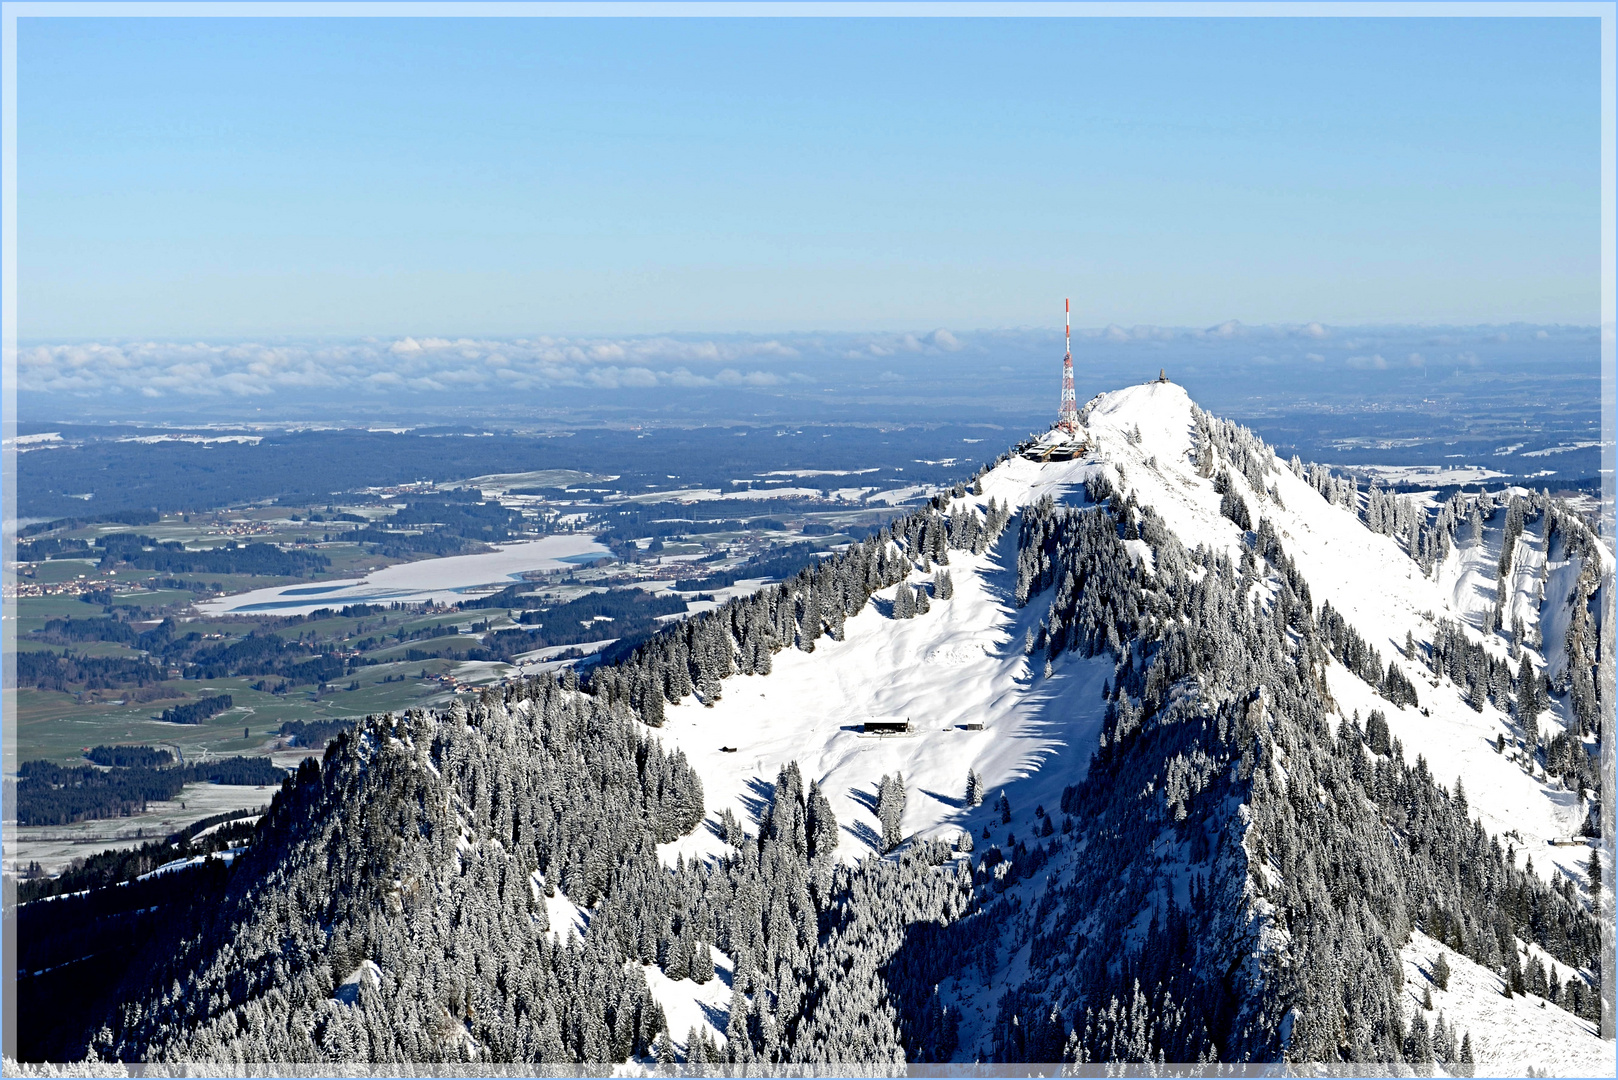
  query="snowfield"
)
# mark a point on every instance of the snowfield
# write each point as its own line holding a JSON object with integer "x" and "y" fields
{"x": 1428, "y": 474}
{"x": 687, "y": 1005}
{"x": 960, "y": 663}
{"x": 1509, "y": 1035}
{"x": 963, "y": 662}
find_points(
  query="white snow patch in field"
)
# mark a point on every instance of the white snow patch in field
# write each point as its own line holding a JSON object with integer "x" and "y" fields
{"x": 35, "y": 441}
{"x": 1438, "y": 475}
{"x": 1565, "y": 448}
{"x": 443, "y": 580}
{"x": 250, "y": 440}
{"x": 688, "y": 495}
{"x": 894, "y": 496}
{"x": 743, "y": 587}
{"x": 227, "y": 857}
{"x": 551, "y": 652}
{"x": 252, "y": 819}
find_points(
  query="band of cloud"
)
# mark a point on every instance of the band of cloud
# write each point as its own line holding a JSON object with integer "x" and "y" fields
{"x": 471, "y": 366}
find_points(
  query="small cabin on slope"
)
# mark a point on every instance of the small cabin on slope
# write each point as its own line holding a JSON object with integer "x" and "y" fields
{"x": 887, "y": 725}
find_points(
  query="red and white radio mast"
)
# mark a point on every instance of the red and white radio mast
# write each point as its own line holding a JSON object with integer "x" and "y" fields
{"x": 1068, "y": 419}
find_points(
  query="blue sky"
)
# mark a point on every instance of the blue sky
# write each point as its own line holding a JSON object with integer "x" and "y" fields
{"x": 232, "y": 178}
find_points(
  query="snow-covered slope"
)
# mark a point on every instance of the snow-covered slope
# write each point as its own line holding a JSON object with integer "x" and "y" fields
{"x": 960, "y": 663}
{"x": 1383, "y": 594}
{"x": 964, "y": 662}
{"x": 1509, "y": 1035}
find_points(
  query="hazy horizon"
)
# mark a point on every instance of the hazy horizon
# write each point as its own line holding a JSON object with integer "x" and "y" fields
{"x": 1367, "y": 394}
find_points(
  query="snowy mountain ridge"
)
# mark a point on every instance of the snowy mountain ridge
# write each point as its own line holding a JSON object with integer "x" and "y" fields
{"x": 1145, "y": 747}
{"x": 965, "y": 661}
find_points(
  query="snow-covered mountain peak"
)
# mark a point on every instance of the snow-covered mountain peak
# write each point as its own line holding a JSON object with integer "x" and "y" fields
{"x": 1408, "y": 584}
{"x": 1191, "y": 723}
{"x": 1160, "y": 410}
{"x": 964, "y": 662}
{"x": 1382, "y": 565}
{"x": 1156, "y": 416}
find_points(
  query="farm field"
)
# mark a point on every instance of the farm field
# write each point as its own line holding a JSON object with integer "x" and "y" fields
{"x": 55, "y": 846}
{"x": 55, "y": 727}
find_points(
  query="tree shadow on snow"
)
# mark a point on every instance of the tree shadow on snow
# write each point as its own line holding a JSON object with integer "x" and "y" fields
{"x": 760, "y": 794}
{"x": 999, "y": 577}
{"x": 955, "y": 802}
{"x": 719, "y": 1018}
{"x": 864, "y": 834}
{"x": 929, "y": 953}
{"x": 866, "y": 799}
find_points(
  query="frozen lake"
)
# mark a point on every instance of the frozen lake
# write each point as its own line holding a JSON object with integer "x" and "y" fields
{"x": 443, "y": 580}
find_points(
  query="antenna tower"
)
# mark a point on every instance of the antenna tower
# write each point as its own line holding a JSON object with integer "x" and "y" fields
{"x": 1068, "y": 419}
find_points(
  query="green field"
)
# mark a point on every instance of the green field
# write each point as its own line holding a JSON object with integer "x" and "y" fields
{"x": 150, "y": 617}
{"x": 59, "y": 725}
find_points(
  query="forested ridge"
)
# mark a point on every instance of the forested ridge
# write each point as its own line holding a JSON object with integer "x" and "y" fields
{"x": 395, "y": 903}
{"x": 549, "y": 787}
{"x": 1311, "y": 855}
